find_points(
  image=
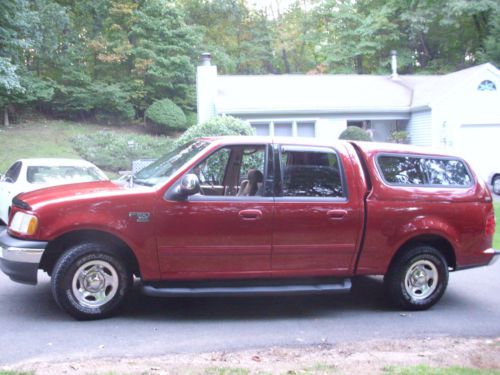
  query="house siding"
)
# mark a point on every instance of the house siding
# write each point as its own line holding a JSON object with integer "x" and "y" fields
{"x": 420, "y": 128}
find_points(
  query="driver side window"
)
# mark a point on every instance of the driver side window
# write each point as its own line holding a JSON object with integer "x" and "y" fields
{"x": 232, "y": 171}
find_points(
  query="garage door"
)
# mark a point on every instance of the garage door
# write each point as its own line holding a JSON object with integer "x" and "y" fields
{"x": 480, "y": 145}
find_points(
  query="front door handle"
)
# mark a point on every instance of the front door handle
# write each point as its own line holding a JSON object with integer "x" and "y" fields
{"x": 336, "y": 214}
{"x": 250, "y": 214}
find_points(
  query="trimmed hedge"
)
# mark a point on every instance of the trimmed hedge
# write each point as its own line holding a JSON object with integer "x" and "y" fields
{"x": 221, "y": 125}
{"x": 354, "y": 133}
{"x": 166, "y": 116}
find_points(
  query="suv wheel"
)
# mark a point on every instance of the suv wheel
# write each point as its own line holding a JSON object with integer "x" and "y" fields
{"x": 496, "y": 185}
{"x": 90, "y": 281}
{"x": 418, "y": 278}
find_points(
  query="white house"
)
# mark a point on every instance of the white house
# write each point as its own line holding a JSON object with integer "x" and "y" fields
{"x": 458, "y": 111}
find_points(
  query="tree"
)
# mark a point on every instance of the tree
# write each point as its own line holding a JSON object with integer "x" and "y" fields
{"x": 164, "y": 51}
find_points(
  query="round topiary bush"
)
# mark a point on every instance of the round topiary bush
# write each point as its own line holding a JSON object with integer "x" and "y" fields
{"x": 353, "y": 133}
{"x": 164, "y": 115}
{"x": 221, "y": 125}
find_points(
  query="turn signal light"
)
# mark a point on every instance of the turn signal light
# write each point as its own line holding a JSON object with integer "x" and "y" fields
{"x": 490, "y": 224}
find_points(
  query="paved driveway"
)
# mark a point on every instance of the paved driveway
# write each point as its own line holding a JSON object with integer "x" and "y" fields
{"x": 32, "y": 326}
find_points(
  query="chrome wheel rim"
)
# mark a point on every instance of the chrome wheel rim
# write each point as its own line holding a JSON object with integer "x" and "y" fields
{"x": 421, "y": 279}
{"x": 95, "y": 283}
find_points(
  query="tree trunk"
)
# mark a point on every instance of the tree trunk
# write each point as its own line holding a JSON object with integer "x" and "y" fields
{"x": 6, "y": 116}
{"x": 285, "y": 60}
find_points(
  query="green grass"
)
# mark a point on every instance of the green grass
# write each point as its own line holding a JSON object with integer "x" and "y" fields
{"x": 426, "y": 370}
{"x": 496, "y": 238}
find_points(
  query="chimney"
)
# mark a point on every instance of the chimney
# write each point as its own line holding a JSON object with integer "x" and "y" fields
{"x": 206, "y": 88}
{"x": 394, "y": 65}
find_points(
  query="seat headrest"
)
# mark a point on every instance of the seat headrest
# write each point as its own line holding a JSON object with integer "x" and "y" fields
{"x": 255, "y": 176}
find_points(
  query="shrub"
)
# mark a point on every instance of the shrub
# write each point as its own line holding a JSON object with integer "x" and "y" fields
{"x": 166, "y": 116}
{"x": 354, "y": 133}
{"x": 116, "y": 151}
{"x": 221, "y": 125}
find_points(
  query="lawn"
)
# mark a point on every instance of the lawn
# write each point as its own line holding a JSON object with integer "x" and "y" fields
{"x": 47, "y": 138}
{"x": 496, "y": 239}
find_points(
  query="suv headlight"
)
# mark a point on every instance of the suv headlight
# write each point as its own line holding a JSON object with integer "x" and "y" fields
{"x": 24, "y": 223}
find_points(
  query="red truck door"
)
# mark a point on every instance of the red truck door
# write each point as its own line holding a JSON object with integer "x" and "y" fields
{"x": 318, "y": 213}
{"x": 226, "y": 230}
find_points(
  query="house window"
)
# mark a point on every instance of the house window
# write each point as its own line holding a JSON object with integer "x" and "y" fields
{"x": 285, "y": 128}
{"x": 261, "y": 128}
{"x": 487, "y": 85}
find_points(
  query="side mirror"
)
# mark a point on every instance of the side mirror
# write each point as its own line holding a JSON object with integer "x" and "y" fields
{"x": 190, "y": 185}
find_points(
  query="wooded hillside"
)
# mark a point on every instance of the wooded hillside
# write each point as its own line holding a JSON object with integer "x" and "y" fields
{"x": 109, "y": 60}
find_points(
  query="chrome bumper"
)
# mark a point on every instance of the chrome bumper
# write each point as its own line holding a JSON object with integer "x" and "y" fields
{"x": 19, "y": 259}
{"x": 495, "y": 253}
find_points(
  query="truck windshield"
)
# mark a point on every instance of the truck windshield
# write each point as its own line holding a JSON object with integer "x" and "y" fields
{"x": 162, "y": 169}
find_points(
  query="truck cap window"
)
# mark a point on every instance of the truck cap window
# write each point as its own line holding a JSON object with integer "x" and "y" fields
{"x": 431, "y": 171}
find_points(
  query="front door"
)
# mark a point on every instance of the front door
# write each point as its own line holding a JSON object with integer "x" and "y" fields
{"x": 317, "y": 224}
{"x": 226, "y": 230}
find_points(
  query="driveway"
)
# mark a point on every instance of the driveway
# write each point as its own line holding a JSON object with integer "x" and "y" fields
{"x": 34, "y": 328}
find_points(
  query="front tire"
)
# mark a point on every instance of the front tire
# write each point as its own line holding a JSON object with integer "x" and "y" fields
{"x": 418, "y": 278}
{"x": 90, "y": 281}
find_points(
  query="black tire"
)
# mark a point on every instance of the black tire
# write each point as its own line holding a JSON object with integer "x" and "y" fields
{"x": 496, "y": 185}
{"x": 104, "y": 284}
{"x": 417, "y": 278}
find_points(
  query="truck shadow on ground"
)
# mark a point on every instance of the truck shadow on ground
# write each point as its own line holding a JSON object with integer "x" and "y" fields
{"x": 366, "y": 295}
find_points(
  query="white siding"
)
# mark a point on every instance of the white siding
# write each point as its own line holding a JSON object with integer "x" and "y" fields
{"x": 420, "y": 128}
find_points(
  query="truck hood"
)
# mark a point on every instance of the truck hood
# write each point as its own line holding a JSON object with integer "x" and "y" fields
{"x": 71, "y": 192}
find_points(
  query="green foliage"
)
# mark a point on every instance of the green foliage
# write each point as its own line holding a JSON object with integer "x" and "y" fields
{"x": 216, "y": 126}
{"x": 111, "y": 59}
{"x": 399, "y": 136}
{"x": 115, "y": 151}
{"x": 166, "y": 115}
{"x": 354, "y": 133}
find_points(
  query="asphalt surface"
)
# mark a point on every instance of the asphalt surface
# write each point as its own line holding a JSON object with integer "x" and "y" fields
{"x": 33, "y": 328}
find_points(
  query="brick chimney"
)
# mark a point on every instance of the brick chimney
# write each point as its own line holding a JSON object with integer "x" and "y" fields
{"x": 206, "y": 88}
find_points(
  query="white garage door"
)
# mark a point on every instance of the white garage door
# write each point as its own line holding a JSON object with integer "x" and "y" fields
{"x": 480, "y": 146}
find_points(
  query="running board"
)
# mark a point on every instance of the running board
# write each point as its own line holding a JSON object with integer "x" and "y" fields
{"x": 342, "y": 286}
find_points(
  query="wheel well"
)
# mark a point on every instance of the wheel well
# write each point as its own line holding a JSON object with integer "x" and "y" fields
{"x": 438, "y": 242}
{"x": 61, "y": 244}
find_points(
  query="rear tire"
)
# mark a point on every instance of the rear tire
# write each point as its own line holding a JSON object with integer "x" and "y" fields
{"x": 90, "y": 281}
{"x": 417, "y": 279}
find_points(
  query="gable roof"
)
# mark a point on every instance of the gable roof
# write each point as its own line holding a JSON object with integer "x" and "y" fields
{"x": 339, "y": 93}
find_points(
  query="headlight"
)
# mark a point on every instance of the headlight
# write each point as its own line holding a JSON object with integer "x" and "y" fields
{"x": 24, "y": 223}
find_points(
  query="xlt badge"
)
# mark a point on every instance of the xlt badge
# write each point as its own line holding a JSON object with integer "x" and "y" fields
{"x": 140, "y": 217}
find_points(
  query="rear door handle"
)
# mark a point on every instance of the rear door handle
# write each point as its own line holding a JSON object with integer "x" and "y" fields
{"x": 250, "y": 214}
{"x": 336, "y": 214}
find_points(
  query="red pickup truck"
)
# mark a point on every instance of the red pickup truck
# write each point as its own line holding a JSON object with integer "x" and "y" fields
{"x": 251, "y": 215}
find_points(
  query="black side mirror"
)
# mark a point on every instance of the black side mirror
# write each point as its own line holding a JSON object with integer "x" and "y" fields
{"x": 190, "y": 185}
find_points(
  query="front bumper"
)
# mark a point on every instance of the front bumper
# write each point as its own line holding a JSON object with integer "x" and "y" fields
{"x": 19, "y": 259}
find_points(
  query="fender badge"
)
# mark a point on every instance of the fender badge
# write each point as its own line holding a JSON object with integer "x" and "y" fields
{"x": 140, "y": 217}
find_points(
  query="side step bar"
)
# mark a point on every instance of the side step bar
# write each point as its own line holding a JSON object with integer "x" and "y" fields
{"x": 256, "y": 290}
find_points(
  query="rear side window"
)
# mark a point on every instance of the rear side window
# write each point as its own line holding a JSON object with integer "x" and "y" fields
{"x": 311, "y": 173}
{"x": 431, "y": 171}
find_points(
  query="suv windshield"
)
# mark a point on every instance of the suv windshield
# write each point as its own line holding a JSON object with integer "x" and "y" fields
{"x": 161, "y": 170}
